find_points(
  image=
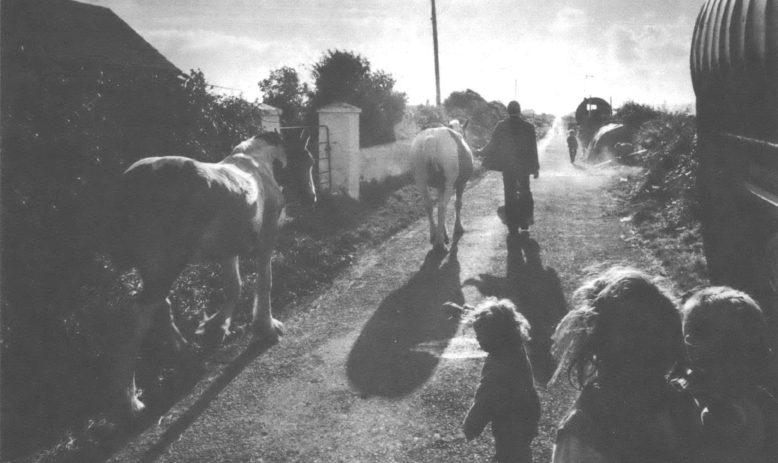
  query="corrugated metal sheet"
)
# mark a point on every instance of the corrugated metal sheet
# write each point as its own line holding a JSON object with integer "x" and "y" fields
{"x": 734, "y": 65}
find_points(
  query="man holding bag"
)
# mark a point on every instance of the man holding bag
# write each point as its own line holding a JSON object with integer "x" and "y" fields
{"x": 513, "y": 150}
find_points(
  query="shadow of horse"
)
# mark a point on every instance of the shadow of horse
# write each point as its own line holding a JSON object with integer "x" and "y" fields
{"x": 400, "y": 346}
{"x": 537, "y": 293}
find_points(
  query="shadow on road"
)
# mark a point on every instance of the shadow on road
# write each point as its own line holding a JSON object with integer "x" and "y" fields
{"x": 537, "y": 292}
{"x": 400, "y": 346}
{"x": 173, "y": 430}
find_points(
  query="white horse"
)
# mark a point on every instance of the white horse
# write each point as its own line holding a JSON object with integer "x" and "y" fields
{"x": 174, "y": 210}
{"x": 440, "y": 158}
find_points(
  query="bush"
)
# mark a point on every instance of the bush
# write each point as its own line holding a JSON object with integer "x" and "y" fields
{"x": 634, "y": 114}
{"x": 671, "y": 164}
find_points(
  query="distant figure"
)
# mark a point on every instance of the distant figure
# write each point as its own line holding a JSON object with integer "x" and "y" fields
{"x": 732, "y": 376}
{"x": 514, "y": 142}
{"x": 619, "y": 346}
{"x": 572, "y": 145}
{"x": 506, "y": 396}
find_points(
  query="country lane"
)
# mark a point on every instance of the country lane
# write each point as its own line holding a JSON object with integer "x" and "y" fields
{"x": 372, "y": 370}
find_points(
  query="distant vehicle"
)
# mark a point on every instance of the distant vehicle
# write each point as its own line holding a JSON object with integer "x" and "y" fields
{"x": 590, "y": 115}
{"x": 734, "y": 68}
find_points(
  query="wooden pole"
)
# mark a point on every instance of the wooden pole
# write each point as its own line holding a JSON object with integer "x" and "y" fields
{"x": 435, "y": 44}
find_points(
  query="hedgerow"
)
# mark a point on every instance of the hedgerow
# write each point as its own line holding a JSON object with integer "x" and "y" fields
{"x": 68, "y": 134}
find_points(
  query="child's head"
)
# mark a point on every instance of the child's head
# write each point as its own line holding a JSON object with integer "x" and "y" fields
{"x": 727, "y": 341}
{"x": 498, "y": 325}
{"x": 626, "y": 329}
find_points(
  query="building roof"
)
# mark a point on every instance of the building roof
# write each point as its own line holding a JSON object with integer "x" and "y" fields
{"x": 70, "y": 32}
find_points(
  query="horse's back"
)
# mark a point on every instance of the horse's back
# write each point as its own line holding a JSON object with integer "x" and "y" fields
{"x": 178, "y": 207}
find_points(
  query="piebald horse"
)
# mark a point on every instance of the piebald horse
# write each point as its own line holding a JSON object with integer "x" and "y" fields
{"x": 440, "y": 158}
{"x": 174, "y": 210}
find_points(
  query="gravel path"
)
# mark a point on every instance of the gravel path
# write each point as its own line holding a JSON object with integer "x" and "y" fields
{"x": 372, "y": 370}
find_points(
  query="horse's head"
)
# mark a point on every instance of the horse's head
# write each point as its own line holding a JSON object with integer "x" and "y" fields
{"x": 458, "y": 127}
{"x": 298, "y": 174}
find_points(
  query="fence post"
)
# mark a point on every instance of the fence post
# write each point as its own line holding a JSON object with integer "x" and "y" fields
{"x": 343, "y": 122}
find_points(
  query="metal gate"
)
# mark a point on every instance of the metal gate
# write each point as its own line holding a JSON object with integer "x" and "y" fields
{"x": 323, "y": 171}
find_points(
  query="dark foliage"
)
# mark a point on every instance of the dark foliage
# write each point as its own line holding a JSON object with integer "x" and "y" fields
{"x": 284, "y": 90}
{"x": 666, "y": 144}
{"x": 634, "y": 114}
{"x": 483, "y": 115}
{"x": 342, "y": 76}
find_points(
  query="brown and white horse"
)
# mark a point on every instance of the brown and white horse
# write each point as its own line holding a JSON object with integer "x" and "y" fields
{"x": 174, "y": 210}
{"x": 440, "y": 158}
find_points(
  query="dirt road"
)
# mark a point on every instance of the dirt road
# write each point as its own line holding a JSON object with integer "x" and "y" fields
{"x": 372, "y": 370}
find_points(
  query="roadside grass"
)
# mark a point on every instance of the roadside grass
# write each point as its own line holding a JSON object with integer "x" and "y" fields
{"x": 658, "y": 196}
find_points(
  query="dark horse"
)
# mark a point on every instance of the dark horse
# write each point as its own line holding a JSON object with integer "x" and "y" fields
{"x": 174, "y": 210}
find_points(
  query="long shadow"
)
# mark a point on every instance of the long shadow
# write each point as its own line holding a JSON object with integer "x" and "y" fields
{"x": 537, "y": 292}
{"x": 185, "y": 420}
{"x": 400, "y": 346}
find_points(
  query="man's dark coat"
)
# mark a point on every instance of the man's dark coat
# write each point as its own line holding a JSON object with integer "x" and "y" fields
{"x": 513, "y": 142}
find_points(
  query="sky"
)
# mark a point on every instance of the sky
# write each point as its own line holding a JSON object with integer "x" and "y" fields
{"x": 547, "y": 54}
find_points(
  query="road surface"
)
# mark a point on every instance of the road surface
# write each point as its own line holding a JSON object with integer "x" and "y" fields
{"x": 372, "y": 370}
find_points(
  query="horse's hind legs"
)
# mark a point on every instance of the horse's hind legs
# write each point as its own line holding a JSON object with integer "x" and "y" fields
{"x": 216, "y": 328}
{"x": 174, "y": 335}
{"x": 458, "y": 228}
{"x": 131, "y": 334}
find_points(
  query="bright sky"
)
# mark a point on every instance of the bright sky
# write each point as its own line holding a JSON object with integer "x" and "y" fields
{"x": 538, "y": 51}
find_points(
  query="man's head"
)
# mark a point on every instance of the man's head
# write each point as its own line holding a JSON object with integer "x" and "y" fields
{"x": 514, "y": 108}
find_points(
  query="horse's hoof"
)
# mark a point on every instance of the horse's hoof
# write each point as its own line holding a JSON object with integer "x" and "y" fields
{"x": 137, "y": 408}
{"x": 269, "y": 335}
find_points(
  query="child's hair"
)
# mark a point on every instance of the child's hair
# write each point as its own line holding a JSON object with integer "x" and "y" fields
{"x": 499, "y": 323}
{"x": 580, "y": 334}
{"x": 753, "y": 350}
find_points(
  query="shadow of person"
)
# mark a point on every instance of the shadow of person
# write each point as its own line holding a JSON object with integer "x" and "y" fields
{"x": 539, "y": 297}
{"x": 537, "y": 293}
{"x": 400, "y": 346}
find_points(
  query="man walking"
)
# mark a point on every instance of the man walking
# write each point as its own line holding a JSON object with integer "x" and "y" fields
{"x": 513, "y": 142}
{"x": 572, "y": 145}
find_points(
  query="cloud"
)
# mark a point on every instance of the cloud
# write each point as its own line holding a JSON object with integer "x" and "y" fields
{"x": 567, "y": 19}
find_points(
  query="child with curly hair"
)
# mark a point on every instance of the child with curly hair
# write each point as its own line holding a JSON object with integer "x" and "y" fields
{"x": 506, "y": 396}
{"x": 731, "y": 376}
{"x": 619, "y": 347}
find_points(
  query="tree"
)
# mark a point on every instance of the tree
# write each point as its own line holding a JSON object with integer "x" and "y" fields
{"x": 284, "y": 90}
{"x": 342, "y": 76}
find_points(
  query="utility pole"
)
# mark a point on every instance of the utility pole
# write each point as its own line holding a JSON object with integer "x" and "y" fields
{"x": 435, "y": 44}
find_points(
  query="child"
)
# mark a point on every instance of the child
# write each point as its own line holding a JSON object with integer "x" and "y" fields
{"x": 731, "y": 376}
{"x": 506, "y": 395}
{"x": 618, "y": 347}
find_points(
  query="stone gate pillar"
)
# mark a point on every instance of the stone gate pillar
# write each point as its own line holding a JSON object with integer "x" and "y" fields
{"x": 343, "y": 122}
{"x": 270, "y": 117}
